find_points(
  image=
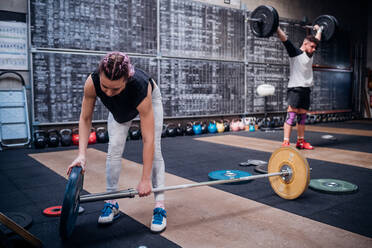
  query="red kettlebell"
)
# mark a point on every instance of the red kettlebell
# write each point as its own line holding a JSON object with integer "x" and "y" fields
{"x": 92, "y": 136}
{"x": 75, "y": 136}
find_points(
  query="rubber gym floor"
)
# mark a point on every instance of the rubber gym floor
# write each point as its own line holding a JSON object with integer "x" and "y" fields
{"x": 244, "y": 215}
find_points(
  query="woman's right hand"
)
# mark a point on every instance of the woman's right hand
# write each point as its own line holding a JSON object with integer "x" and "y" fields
{"x": 81, "y": 161}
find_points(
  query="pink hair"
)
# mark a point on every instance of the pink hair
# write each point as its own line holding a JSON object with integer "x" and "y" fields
{"x": 116, "y": 65}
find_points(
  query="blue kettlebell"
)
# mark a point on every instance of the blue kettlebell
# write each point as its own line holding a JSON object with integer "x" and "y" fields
{"x": 197, "y": 128}
{"x": 251, "y": 128}
{"x": 212, "y": 127}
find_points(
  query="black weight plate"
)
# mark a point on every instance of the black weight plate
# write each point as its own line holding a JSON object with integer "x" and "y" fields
{"x": 261, "y": 168}
{"x": 70, "y": 206}
{"x": 329, "y": 24}
{"x": 332, "y": 186}
{"x": 269, "y": 21}
{"x": 22, "y": 219}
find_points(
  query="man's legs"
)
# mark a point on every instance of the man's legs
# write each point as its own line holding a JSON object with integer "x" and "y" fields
{"x": 301, "y": 120}
{"x": 288, "y": 124}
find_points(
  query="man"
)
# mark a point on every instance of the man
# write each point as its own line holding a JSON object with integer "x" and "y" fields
{"x": 300, "y": 81}
{"x": 126, "y": 92}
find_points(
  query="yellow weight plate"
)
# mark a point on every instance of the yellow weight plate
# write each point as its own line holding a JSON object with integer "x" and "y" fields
{"x": 296, "y": 184}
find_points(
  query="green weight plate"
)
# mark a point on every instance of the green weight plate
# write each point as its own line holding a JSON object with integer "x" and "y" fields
{"x": 332, "y": 186}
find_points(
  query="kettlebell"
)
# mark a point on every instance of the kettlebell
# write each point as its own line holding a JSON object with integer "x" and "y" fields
{"x": 220, "y": 126}
{"x": 241, "y": 124}
{"x": 252, "y": 128}
{"x": 180, "y": 130}
{"x": 197, "y": 128}
{"x": 75, "y": 136}
{"x": 134, "y": 132}
{"x": 66, "y": 137}
{"x": 226, "y": 123}
{"x": 212, "y": 128}
{"x": 53, "y": 138}
{"x": 189, "y": 129}
{"x": 204, "y": 127}
{"x": 101, "y": 135}
{"x": 171, "y": 130}
{"x": 164, "y": 131}
{"x": 40, "y": 138}
{"x": 92, "y": 139}
{"x": 234, "y": 125}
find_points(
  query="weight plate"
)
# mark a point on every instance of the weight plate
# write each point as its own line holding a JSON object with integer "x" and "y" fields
{"x": 22, "y": 219}
{"x": 70, "y": 206}
{"x": 332, "y": 186}
{"x": 261, "y": 168}
{"x": 53, "y": 211}
{"x": 229, "y": 174}
{"x": 295, "y": 185}
{"x": 253, "y": 162}
{"x": 329, "y": 24}
{"x": 269, "y": 21}
{"x": 328, "y": 137}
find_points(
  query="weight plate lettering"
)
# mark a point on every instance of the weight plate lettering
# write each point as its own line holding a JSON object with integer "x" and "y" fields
{"x": 295, "y": 185}
{"x": 332, "y": 186}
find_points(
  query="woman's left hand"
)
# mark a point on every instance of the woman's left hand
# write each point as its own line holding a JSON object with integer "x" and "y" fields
{"x": 144, "y": 188}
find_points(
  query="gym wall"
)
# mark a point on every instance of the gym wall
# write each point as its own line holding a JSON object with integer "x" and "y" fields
{"x": 197, "y": 77}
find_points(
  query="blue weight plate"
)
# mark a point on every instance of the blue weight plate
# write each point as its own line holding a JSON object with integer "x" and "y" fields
{"x": 70, "y": 206}
{"x": 229, "y": 174}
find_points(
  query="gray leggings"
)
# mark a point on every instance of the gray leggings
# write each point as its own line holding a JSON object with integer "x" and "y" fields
{"x": 118, "y": 134}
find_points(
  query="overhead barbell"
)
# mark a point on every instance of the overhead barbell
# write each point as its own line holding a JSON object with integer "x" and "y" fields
{"x": 264, "y": 21}
{"x": 288, "y": 173}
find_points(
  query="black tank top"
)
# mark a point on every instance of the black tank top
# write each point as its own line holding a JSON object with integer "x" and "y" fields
{"x": 124, "y": 105}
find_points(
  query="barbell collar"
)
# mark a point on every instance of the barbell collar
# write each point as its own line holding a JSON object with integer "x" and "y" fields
{"x": 130, "y": 193}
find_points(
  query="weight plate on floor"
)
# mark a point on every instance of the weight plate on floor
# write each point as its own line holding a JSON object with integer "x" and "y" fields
{"x": 328, "y": 137}
{"x": 70, "y": 206}
{"x": 292, "y": 186}
{"x": 22, "y": 219}
{"x": 228, "y": 174}
{"x": 261, "y": 168}
{"x": 253, "y": 162}
{"x": 332, "y": 186}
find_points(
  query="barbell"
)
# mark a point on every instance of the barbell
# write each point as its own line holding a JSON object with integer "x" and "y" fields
{"x": 264, "y": 21}
{"x": 288, "y": 173}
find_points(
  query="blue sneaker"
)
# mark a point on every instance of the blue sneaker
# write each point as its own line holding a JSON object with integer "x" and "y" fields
{"x": 159, "y": 220}
{"x": 109, "y": 213}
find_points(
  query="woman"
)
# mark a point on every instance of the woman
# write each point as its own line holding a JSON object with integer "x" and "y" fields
{"x": 126, "y": 92}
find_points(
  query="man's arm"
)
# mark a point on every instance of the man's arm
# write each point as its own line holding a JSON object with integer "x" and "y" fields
{"x": 318, "y": 32}
{"x": 282, "y": 36}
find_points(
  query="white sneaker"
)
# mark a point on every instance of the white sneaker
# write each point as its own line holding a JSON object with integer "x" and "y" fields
{"x": 109, "y": 213}
{"x": 159, "y": 220}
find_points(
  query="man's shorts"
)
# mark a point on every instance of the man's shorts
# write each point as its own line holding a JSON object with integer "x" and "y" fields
{"x": 299, "y": 97}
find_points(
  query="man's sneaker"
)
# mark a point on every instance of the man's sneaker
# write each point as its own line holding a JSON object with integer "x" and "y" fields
{"x": 159, "y": 220}
{"x": 302, "y": 144}
{"x": 109, "y": 213}
{"x": 285, "y": 143}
